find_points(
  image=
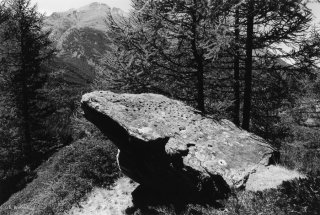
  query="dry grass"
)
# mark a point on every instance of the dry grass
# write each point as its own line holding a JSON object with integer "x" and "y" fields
{"x": 65, "y": 179}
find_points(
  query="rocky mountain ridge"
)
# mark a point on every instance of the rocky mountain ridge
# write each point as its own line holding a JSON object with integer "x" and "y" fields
{"x": 80, "y": 36}
{"x": 92, "y": 16}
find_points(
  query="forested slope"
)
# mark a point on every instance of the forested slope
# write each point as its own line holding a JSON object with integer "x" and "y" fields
{"x": 204, "y": 53}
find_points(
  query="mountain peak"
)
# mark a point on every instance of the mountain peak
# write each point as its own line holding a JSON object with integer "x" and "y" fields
{"x": 92, "y": 15}
{"x": 95, "y": 6}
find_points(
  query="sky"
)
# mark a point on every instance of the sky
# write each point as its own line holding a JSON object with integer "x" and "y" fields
{"x": 50, "y": 6}
{"x": 315, "y": 7}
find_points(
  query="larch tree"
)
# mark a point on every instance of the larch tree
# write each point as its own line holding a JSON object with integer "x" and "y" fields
{"x": 174, "y": 42}
{"x": 27, "y": 47}
{"x": 259, "y": 29}
{"x": 236, "y": 68}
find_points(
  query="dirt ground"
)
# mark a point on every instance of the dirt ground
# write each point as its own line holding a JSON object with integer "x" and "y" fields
{"x": 270, "y": 177}
{"x": 112, "y": 201}
{"x": 116, "y": 200}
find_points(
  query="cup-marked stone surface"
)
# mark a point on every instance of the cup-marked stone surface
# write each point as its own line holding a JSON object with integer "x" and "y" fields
{"x": 166, "y": 144}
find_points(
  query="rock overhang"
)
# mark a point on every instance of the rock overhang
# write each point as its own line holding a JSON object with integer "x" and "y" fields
{"x": 149, "y": 126}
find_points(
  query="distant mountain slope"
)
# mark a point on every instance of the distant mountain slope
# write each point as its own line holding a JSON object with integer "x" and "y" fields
{"x": 80, "y": 35}
{"x": 92, "y": 15}
{"x": 84, "y": 43}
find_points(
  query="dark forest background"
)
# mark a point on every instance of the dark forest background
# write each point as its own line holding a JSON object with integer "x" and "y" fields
{"x": 253, "y": 62}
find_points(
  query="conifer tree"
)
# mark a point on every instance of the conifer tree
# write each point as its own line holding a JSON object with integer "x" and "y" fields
{"x": 174, "y": 42}
{"x": 260, "y": 29}
{"x": 269, "y": 23}
{"x": 26, "y": 49}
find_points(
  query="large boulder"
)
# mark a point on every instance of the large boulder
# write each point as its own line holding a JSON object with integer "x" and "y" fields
{"x": 167, "y": 145}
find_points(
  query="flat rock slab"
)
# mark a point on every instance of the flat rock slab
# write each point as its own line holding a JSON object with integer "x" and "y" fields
{"x": 165, "y": 143}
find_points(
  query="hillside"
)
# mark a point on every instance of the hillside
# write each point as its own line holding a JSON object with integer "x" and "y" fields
{"x": 92, "y": 15}
{"x": 80, "y": 36}
{"x": 83, "y": 178}
{"x": 149, "y": 117}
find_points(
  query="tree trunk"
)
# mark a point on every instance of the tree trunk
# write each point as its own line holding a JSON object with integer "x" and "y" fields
{"x": 200, "y": 77}
{"x": 248, "y": 72}
{"x": 236, "y": 85}
{"x": 199, "y": 65}
{"x": 200, "y": 84}
{"x": 24, "y": 106}
{"x": 27, "y": 150}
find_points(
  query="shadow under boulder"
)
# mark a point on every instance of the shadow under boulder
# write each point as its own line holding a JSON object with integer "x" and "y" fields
{"x": 144, "y": 198}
